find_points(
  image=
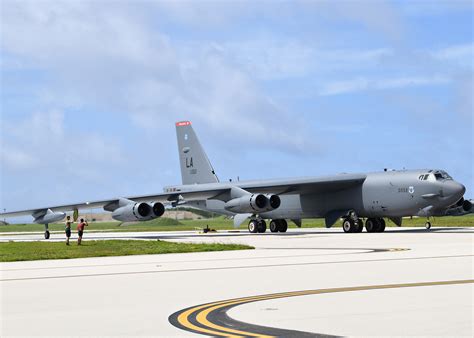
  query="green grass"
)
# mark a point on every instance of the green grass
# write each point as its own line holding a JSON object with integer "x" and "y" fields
{"x": 27, "y": 251}
{"x": 220, "y": 223}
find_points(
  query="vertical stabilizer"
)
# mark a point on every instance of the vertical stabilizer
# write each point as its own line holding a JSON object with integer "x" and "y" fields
{"x": 195, "y": 166}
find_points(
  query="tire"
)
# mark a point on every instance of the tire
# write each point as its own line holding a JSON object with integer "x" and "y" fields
{"x": 428, "y": 225}
{"x": 381, "y": 227}
{"x": 253, "y": 226}
{"x": 348, "y": 225}
{"x": 261, "y": 226}
{"x": 283, "y": 226}
{"x": 360, "y": 225}
{"x": 274, "y": 225}
{"x": 46, "y": 234}
{"x": 370, "y": 225}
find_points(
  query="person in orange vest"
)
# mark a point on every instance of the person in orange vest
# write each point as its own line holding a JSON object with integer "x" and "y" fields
{"x": 80, "y": 230}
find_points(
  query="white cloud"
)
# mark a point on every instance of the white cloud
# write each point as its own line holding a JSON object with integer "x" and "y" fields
{"x": 115, "y": 59}
{"x": 42, "y": 140}
{"x": 462, "y": 54}
{"x": 363, "y": 84}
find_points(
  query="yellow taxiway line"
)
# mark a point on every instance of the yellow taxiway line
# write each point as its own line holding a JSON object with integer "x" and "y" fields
{"x": 201, "y": 313}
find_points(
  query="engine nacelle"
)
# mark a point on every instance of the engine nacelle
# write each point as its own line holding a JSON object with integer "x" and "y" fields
{"x": 253, "y": 203}
{"x": 133, "y": 212}
{"x": 274, "y": 201}
{"x": 49, "y": 217}
{"x": 466, "y": 206}
{"x": 158, "y": 209}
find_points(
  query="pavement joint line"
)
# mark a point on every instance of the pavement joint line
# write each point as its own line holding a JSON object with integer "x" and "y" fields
{"x": 181, "y": 319}
{"x": 360, "y": 251}
{"x": 230, "y": 268}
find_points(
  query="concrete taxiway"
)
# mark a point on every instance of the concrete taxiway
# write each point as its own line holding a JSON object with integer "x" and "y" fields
{"x": 302, "y": 283}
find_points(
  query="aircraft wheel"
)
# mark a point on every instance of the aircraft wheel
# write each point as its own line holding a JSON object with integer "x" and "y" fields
{"x": 46, "y": 234}
{"x": 428, "y": 225}
{"x": 348, "y": 225}
{"x": 360, "y": 226}
{"x": 253, "y": 226}
{"x": 283, "y": 226}
{"x": 381, "y": 227}
{"x": 274, "y": 225}
{"x": 370, "y": 225}
{"x": 261, "y": 226}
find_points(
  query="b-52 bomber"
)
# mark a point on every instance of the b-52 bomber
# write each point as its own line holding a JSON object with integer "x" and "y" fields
{"x": 389, "y": 194}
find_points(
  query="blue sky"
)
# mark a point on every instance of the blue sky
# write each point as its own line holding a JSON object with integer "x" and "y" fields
{"x": 90, "y": 91}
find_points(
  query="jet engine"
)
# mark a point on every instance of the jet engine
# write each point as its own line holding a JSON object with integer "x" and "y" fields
{"x": 48, "y": 216}
{"x": 158, "y": 209}
{"x": 462, "y": 207}
{"x": 467, "y": 206}
{"x": 133, "y": 212}
{"x": 253, "y": 203}
{"x": 274, "y": 201}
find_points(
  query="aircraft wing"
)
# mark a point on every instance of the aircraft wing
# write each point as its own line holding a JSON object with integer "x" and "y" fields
{"x": 306, "y": 185}
{"x": 167, "y": 197}
{"x": 219, "y": 191}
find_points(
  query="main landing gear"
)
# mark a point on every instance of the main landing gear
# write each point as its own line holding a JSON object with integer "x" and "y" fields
{"x": 260, "y": 226}
{"x": 375, "y": 225}
{"x": 428, "y": 225}
{"x": 352, "y": 223}
{"x": 46, "y": 231}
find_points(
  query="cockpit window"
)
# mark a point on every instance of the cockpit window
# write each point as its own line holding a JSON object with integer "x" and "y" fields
{"x": 426, "y": 177}
{"x": 442, "y": 175}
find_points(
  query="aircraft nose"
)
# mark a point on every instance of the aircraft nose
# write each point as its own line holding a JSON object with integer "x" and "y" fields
{"x": 454, "y": 189}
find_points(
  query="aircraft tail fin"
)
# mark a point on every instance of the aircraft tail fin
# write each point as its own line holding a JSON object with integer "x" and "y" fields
{"x": 195, "y": 166}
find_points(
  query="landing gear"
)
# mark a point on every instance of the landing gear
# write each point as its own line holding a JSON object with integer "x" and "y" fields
{"x": 381, "y": 225}
{"x": 46, "y": 231}
{"x": 253, "y": 226}
{"x": 278, "y": 225}
{"x": 352, "y": 224}
{"x": 348, "y": 225}
{"x": 257, "y": 225}
{"x": 428, "y": 225}
{"x": 274, "y": 225}
{"x": 261, "y": 226}
{"x": 375, "y": 225}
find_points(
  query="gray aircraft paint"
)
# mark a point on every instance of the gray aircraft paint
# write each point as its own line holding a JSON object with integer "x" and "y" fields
{"x": 391, "y": 194}
{"x": 195, "y": 166}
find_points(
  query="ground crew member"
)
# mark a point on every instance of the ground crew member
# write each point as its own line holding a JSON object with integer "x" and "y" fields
{"x": 67, "y": 228}
{"x": 80, "y": 230}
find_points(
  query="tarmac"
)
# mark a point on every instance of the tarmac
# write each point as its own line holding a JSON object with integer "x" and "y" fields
{"x": 304, "y": 283}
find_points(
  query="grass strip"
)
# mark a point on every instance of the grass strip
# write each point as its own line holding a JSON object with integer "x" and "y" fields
{"x": 27, "y": 251}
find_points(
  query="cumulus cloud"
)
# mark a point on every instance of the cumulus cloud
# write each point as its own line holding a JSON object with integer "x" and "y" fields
{"x": 115, "y": 60}
{"x": 42, "y": 139}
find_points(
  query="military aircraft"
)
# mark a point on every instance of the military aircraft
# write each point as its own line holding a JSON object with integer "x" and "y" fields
{"x": 389, "y": 194}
